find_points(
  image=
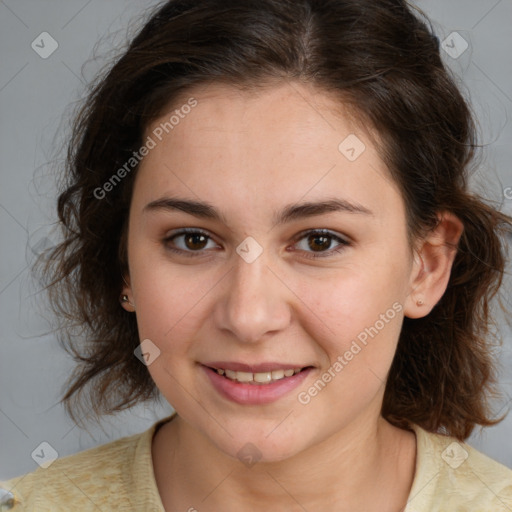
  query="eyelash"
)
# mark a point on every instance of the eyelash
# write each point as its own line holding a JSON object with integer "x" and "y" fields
{"x": 310, "y": 255}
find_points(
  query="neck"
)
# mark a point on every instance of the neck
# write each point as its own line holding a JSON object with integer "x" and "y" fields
{"x": 368, "y": 465}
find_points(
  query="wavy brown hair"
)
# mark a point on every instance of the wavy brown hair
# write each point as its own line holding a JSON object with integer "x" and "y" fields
{"x": 382, "y": 60}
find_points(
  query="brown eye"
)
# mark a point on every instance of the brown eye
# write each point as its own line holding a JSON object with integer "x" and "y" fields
{"x": 188, "y": 242}
{"x": 321, "y": 242}
{"x": 195, "y": 241}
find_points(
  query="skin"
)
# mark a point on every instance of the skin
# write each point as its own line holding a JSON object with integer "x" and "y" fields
{"x": 249, "y": 155}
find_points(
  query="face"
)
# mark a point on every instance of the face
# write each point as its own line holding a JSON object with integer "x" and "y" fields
{"x": 296, "y": 257}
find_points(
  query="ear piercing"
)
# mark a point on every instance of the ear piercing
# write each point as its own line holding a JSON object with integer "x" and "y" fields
{"x": 419, "y": 302}
{"x": 125, "y": 300}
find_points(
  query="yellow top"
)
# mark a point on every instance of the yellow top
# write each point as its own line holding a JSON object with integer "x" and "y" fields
{"x": 450, "y": 476}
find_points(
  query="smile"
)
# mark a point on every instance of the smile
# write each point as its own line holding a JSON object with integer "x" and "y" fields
{"x": 260, "y": 378}
{"x": 266, "y": 383}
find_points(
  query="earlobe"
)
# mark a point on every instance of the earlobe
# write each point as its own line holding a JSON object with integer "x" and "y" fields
{"x": 125, "y": 300}
{"x": 431, "y": 270}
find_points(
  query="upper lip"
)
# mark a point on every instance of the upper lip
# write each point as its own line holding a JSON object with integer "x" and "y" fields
{"x": 253, "y": 368}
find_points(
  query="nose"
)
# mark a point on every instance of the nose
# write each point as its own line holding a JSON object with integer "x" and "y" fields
{"x": 255, "y": 301}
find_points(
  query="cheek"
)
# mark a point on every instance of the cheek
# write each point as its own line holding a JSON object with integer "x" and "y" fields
{"x": 357, "y": 330}
{"x": 170, "y": 310}
{"x": 358, "y": 313}
{"x": 170, "y": 303}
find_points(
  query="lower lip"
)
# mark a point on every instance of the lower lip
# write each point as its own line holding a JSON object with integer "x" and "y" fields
{"x": 254, "y": 394}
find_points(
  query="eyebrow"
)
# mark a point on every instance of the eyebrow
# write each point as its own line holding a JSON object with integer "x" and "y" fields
{"x": 289, "y": 213}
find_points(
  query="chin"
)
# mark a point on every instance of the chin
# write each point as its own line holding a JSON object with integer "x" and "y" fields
{"x": 251, "y": 444}
{"x": 252, "y": 451}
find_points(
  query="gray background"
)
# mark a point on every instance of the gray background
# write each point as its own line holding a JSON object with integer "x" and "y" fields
{"x": 36, "y": 100}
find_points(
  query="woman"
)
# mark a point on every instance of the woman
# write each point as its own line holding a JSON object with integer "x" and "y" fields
{"x": 267, "y": 221}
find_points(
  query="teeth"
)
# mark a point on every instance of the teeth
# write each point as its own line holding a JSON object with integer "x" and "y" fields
{"x": 277, "y": 374}
{"x": 244, "y": 376}
{"x": 258, "y": 378}
{"x": 230, "y": 374}
{"x": 262, "y": 378}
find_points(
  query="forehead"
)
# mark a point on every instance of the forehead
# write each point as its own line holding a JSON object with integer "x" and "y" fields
{"x": 285, "y": 108}
{"x": 276, "y": 144}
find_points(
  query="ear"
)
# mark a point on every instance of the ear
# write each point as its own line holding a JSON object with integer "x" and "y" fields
{"x": 126, "y": 297}
{"x": 433, "y": 260}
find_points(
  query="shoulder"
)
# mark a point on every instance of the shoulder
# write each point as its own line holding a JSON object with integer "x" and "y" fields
{"x": 90, "y": 480}
{"x": 80, "y": 479}
{"x": 451, "y": 475}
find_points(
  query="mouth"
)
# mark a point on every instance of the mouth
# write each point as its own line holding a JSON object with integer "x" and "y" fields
{"x": 255, "y": 384}
{"x": 258, "y": 378}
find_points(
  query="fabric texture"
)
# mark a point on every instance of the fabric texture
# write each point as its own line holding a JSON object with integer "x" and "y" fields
{"x": 450, "y": 477}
